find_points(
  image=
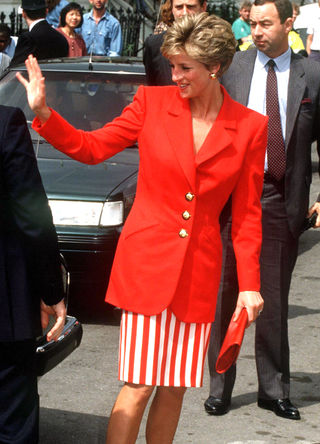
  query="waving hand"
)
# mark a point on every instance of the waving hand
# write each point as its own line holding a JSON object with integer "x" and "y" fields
{"x": 35, "y": 88}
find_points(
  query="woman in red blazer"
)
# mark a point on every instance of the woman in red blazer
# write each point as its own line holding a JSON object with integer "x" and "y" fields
{"x": 197, "y": 147}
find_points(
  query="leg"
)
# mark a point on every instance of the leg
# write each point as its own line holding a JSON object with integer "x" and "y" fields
{"x": 19, "y": 406}
{"x": 221, "y": 385}
{"x": 126, "y": 415}
{"x": 278, "y": 258}
{"x": 164, "y": 415}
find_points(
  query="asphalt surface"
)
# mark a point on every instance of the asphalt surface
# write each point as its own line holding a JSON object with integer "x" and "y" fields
{"x": 77, "y": 396}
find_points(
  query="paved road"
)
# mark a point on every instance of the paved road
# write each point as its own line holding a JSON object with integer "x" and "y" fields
{"x": 77, "y": 396}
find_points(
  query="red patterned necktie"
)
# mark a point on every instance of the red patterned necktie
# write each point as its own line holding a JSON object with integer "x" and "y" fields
{"x": 275, "y": 145}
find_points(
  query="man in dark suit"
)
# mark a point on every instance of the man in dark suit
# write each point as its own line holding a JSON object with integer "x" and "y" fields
{"x": 158, "y": 69}
{"x": 42, "y": 41}
{"x": 285, "y": 202}
{"x": 30, "y": 278}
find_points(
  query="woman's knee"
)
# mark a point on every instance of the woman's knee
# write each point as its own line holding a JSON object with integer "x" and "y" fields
{"x": 172, "y": 392}
{"x": 138, "y": 393}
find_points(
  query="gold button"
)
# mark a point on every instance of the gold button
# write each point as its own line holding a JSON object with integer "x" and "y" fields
{"x": 183, "y": 233}
{"x": 189, "y": 196}
{"x": 186, "y": 215}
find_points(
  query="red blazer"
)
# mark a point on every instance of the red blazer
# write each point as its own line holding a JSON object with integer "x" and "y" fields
{"x": 155, "y": 267}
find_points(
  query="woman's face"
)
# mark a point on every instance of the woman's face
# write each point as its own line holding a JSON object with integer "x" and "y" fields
{"x": 191, "y": 76}
{"x": 73, "y": 18}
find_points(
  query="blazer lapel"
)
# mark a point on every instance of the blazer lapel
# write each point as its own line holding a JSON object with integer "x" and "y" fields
{"x": 179, "y": 129}
{"x": 246, "y": 66}
{"x": 296, "y": 90}
{"x": 239, "y": 82}
{"x": 219, "y": 136}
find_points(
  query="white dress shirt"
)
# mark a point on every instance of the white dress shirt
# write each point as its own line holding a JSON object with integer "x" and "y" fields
{"x": 257, "y": 94}
{"x": 314, "y": 29}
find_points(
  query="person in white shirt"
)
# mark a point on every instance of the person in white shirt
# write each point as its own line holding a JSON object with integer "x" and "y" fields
{"x": 7, "y": 43}
{"x": 313, "y": 39}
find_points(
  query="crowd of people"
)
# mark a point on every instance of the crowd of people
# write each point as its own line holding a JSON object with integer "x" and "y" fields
{"x": 236, "y": 109}
{"x": 99, "y": 33}
{"x": 58, "y": 28}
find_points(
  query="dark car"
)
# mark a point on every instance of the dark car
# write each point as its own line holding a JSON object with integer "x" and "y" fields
{"x": 89, "y": 203}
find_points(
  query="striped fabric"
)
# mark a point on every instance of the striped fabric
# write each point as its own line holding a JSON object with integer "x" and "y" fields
{"x": 160, "y": 350}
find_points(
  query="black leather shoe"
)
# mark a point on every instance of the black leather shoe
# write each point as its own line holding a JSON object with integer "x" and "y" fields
{"x": 281, "y": 407}
{"x": 216, "y": 406}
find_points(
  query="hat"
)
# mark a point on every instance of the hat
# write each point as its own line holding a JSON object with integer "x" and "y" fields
{"x": 32, "y": 5}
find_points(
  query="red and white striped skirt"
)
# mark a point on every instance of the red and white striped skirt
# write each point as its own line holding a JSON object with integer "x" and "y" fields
{"x": 160, "y": 350}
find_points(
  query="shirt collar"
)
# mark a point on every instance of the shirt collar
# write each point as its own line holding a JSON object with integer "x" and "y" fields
{"x": 282, "y": 62}
{"x": 105, "y": 16}
{"x": 34, "y": 23}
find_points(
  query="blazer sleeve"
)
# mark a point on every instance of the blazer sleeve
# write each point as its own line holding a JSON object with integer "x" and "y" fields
{"x": 96, "y": 146}
{"x": 28, "y": 216}
{"x": 246, "y": 211}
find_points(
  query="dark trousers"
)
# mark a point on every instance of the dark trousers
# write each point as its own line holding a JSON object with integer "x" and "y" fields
{"x": 278, "y": 257}
{"x": 19, "y": 400}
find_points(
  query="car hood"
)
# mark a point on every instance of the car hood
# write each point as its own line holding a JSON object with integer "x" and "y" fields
{"x": 65, "y": 178}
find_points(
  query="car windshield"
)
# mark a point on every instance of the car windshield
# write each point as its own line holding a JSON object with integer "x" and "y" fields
{"x": 86, "y": 100}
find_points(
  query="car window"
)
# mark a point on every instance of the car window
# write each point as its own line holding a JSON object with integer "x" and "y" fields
{"x": 87, "y": 101}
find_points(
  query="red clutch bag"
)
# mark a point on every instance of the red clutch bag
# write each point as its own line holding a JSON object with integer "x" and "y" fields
{"x": 232, "y": 342}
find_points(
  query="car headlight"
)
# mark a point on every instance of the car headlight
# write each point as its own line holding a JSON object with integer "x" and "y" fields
{"x": 66, "y": 212}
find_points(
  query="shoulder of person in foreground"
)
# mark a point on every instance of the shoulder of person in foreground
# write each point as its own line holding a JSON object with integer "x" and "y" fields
{"x": 243, "y": 110}
{"x": 157, "y": 94}
{"x": 155, "y": 40}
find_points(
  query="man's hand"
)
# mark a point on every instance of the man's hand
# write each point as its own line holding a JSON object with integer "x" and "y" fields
{"x": 315, "y": 207}
{"x": 59, "y": 312}
{"x": 253, "y": 302}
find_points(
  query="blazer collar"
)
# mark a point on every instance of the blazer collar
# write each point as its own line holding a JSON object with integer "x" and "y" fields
{"x": 296, "y": 91}
{"x": 179, "y": 129}
{"x": 244, "y": 74}
{"x": 35, "y": 23}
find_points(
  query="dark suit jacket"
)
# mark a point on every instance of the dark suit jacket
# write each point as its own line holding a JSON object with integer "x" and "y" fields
{"x": 158, "y": 70}
{"x": 29, "y": 255}
{"x": 303, "y": 124}
{"x": 43, "y": 42}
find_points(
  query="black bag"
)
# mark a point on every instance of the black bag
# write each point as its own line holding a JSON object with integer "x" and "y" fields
{"x": 50, "y": 354}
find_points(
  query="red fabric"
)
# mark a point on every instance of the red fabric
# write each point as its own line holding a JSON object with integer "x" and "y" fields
{"x": 77, "y": 46}
{"x": 154, "y": 267}
{"x": 232, "y": 343}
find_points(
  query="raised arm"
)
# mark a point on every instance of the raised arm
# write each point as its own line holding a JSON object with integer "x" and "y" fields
{"x": 36, "y": 90}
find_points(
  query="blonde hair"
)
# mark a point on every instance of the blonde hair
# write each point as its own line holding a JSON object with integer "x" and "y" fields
{"x": 203, "y": 37}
